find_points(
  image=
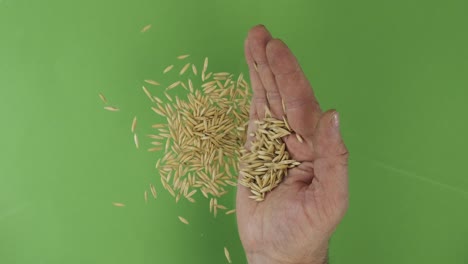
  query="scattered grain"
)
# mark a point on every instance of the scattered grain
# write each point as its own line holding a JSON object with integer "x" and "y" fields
{"x": 201, "y": 140}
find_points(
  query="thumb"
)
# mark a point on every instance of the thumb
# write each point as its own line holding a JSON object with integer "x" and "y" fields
{"x": 328, "y": 141}
{"x": 331, "y": 165}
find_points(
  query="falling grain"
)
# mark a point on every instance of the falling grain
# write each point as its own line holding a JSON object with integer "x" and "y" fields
{"x": 190, "y": 86}
{"x": 146, "y": 196}
{"x": 135, "y": 140}
{"x": 155, "y": 137}
{"x": 134, "y": 123}
{"x": 181, "y": 57}
{"x": 157, "y": 111}
{"x": 103, "y": 98}
{"x": 205, "y": 67}
{"x": 191, "y": 194}
{"x": 231, "y": 211}
{"x": 145, "y": 28}
{"x": 153, "y": 191}
{"x": 205, "y": 64}
{"x": 184, "y": 69}
{"x": 173, "y": 86}
{"x": 118, "y": 204}
{"x": 152, "y": 82}
{"x": 226, "y": 253}
{"x": 239, "y": 80}
{"x": 158, "y": 126}
{"x": 158, "y": 100}
{"x": 148, "y": 93}
{"x": 218, "y": 74}
{"x": 167, "y": 96}
{"x": 184, "y": 86}
{"x": 215, "y": 207}
{"x": 111, "y": 108}
{"x": 222, "y": 207}
{"x": 154, "y": 149}
{"x": 168, "y": 68}
{"x": 194, "y": 69}
{"x": 183, "y": 220}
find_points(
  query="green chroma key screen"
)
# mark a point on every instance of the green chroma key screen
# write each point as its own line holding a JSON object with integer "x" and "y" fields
{"x": 395, "y": 70}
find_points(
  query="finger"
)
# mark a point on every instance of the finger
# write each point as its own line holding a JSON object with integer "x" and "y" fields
{"x": 251, "y": 128}
{"x": 259, "y": 97}
{"x": 245, "y": 205}
{"x": 302, "y": 108}
{"x": 258, "y": 39}
{"x": 331, "y": 165}
{"x": 243, "y": 202}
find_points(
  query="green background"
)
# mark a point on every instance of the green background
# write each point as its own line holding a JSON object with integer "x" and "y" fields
{"x": 396, "y": 71}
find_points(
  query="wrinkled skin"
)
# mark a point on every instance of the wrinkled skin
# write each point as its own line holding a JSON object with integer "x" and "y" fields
{"x": 296, "y": 220}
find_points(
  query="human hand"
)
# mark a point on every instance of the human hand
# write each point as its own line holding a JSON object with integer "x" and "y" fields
{"x": 295, "y": 221}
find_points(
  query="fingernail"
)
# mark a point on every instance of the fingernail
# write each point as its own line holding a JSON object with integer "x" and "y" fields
{"x": 336, "y": 120}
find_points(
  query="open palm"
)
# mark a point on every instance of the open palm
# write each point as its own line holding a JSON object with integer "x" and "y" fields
{"x": 295, "y": 221}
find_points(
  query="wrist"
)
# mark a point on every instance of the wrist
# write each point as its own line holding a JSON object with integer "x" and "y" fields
{"x": 319, "y": 256}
